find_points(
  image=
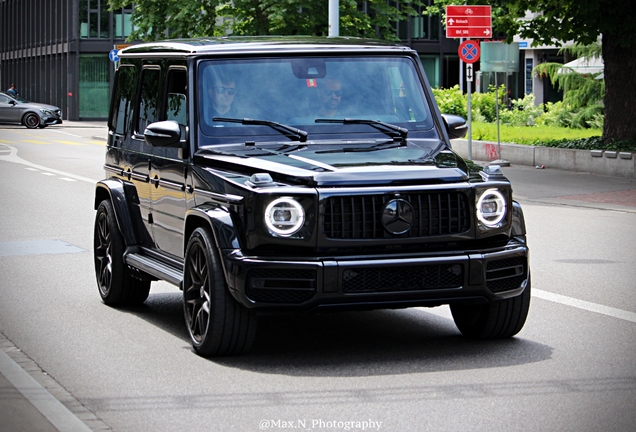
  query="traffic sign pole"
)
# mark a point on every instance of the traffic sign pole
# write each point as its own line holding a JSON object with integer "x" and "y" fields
{"x": 469, "y": 53}
{"x": 469, "y": 81}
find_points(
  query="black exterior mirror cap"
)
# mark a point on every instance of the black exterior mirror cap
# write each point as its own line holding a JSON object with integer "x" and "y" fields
{"x": 455, "y": 126}
{"x": 163, "y": 134}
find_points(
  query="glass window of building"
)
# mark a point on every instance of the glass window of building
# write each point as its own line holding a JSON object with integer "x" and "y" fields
{"x": 93, "y": 86}
{"x": 94, "y": 19}
{"x": 122, "y": 22}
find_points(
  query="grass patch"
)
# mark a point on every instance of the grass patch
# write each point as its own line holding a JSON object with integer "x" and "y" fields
{"x": 535, "y": 135}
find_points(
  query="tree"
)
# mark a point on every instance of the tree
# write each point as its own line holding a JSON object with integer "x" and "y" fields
{"x": 583, "y": 22}
{"x": 583, "y": 94}
{"x": 158, "y": 19}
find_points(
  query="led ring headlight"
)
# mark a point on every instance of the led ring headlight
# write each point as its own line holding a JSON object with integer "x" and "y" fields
{"x": 284, "y": 216}
{"x": 491, "y": 208}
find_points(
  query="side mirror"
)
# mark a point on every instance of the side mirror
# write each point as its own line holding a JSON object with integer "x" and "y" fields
{"x": 12, "y": 102}
{"x": 456, "y": 126}
{"x": 163, "y": 134}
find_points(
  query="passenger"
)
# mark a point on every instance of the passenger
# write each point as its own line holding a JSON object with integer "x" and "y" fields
{"x": 329, "y": 98}
{"x": 222, "y": 93}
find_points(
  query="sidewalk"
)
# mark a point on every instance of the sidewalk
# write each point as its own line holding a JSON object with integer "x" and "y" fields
{"x": 31, "y": 400}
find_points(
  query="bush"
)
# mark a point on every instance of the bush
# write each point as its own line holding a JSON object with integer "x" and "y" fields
{"x": 592, "y": 143}
{"x": 523, "y": 112}
{"x": 451, "y": 101}
{"x": 484, "y": 106}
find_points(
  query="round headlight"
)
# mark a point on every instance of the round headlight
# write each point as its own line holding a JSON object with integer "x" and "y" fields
{"x": 284, "y": 216}
{"x": 491, "y": 207}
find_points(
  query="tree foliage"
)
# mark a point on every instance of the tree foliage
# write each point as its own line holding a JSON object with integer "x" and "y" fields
{"x": 158, "y": 19}
{"x": 582, "y": 93}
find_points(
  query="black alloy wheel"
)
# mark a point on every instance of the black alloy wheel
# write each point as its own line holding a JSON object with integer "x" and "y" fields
{"x": 218, "y": 325}
{"x": 117, "y": 286}
{"x": 31, "y": 120}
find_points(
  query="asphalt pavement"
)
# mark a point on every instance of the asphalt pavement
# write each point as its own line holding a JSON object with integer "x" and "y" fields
{"x": 30, "y": 400}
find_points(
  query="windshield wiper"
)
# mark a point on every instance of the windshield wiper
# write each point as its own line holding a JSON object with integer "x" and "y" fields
{"x": 388, "y": 128}
{"x": 290, "y": 132}
{"x": 374, "y": 147}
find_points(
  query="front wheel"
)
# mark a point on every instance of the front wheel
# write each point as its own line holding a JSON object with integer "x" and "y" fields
{"x": 117, "y": 286}
{"x": 218, "y": 325}
{"x": 31, "y": 120}
{"x": 496, "y": 320}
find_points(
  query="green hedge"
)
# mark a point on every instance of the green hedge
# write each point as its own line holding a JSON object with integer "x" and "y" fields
{"x": 548, "y": 125}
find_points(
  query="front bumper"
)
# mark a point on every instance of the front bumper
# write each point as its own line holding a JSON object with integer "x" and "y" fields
{"x": 377, "y": 282}
{"x": 51, "y": 120}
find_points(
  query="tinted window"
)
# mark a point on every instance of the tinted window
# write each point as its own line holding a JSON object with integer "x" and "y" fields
{"x": 149, "y": 101}
{"x": 299, "y": 90}
{"x": 123, "y": 97}
{"x": 176, "y": 103}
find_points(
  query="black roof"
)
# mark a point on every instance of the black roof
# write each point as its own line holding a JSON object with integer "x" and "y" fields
{"x": 259, "y": 44}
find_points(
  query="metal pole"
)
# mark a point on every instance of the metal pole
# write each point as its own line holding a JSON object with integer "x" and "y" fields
{"x": 461, "y": 70}
{"x": 497, "y": 110}
{"x": 334, "y": 18}
{"x": 470, "y": 117}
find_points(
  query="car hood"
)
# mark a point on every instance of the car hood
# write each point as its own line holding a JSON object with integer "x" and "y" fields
{"x": 342, "y": 163}
{"x": 36, "y": 105}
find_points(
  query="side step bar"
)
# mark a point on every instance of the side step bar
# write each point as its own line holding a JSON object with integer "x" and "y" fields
{"x": 155, "y": 268}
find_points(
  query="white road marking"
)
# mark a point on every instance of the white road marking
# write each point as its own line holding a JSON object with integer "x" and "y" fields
{"x": 13, "y": 157}
{"x": 585, "y": 305}
{"x": 444, "y": 311}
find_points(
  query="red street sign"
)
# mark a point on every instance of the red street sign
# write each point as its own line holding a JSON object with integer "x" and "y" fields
{"x": 469, "y": 51}
{"x": 468, "y": 22}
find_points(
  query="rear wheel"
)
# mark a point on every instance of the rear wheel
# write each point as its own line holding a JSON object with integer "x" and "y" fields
{"x": 496, "y": 320}
{"x": 31, "y": 120}
{"x": 218, "y": 325}
{"x": 117, "y": 286}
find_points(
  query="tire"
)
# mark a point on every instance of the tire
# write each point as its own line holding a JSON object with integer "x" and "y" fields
{"x": 116, "y": 285}
{"x": 496, "y": 320}
{"x": 31, "y": 120}
{"x": 218, "y": 325}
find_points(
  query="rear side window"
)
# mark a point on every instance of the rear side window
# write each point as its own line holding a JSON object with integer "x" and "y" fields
{"x": 149, "y": 102}
{"x": 123, "y": 98}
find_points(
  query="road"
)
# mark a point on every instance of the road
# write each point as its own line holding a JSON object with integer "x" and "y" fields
{"x": 571, "y": 368}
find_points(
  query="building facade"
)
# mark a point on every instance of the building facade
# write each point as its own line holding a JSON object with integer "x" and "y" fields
{"x": 60, "y": 53}
{"x": 56, "y": 52}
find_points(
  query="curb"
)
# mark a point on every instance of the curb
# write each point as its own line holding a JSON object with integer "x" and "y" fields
{"x": 609, "y": 163}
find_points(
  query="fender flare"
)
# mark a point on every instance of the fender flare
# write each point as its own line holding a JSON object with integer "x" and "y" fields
{"x": 518, "y": 221}
{"x": 121, "y": 196}
{"x": 218, "y": 219}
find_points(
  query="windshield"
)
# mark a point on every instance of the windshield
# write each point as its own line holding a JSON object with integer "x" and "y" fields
{"x": 297, "y": 91}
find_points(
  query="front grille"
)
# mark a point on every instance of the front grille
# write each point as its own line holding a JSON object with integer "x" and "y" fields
{"x": 360, "y": 217}
{"x": 402, "y": 278}
{"x": 280, "y": 285}
{"x": 506, "y": 274}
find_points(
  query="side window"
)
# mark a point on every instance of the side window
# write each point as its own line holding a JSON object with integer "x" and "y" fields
{"x": 176, "y": 104}
{"x": 123, "y": 97}
{"x": 149, "y": 99}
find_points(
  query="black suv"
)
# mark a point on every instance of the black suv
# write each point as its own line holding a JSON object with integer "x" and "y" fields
{"x": 299, "y": 174}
